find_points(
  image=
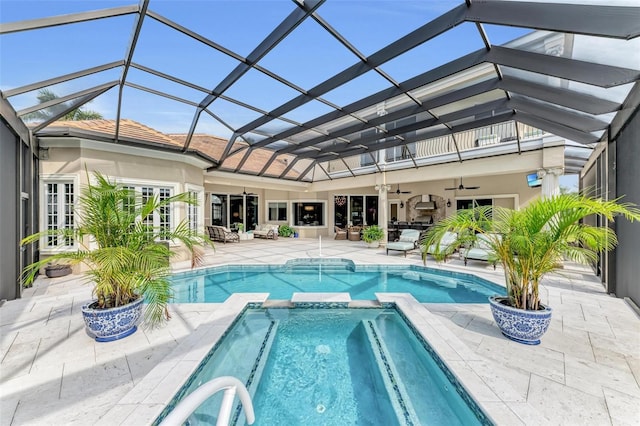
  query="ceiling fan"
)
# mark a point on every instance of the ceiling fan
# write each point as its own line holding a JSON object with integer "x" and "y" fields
{"x": 461, "y": 187}
{"x": 244, "y": 192}
{"x": 398, "y": 192}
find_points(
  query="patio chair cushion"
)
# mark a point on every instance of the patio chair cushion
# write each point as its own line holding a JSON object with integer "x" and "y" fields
{"x": 266, "y": 230}
{"x": 408, "y": 241}
{"x": 446, "y": 241}
{"x": 481, "y": 250}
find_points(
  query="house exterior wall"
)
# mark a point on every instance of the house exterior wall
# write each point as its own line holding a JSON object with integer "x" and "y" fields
{"x": 79, "y": 164}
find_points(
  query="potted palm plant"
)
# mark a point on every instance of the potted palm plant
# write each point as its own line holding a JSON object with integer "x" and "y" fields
{"x": 529, "y": 244}
{"x": 130, "y": 262}
{"x": 372, "y": 236}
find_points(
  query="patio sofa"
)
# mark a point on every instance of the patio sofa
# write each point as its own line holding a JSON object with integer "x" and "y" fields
{"x": 446, "y": 243}
{"x": 267, "y": 231}
{"x": 480, "y": 250}
{"x": 222, "y": 234}
{"x": 407, "y": 241}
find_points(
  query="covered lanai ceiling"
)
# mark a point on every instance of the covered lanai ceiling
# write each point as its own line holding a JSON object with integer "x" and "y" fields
{"x": 328, "y": 88}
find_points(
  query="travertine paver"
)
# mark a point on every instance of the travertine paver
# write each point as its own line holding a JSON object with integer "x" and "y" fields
{"x": 586, "y": 370}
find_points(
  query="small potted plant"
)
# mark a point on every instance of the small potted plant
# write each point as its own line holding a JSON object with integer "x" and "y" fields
{"x": 285, "y": 231}
{"x": 529, "y": 244}
{"x": 372, "y": 235}
{"x": 240, "y": 228}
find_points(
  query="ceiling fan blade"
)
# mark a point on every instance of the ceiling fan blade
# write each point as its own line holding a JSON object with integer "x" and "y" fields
{"x": 405, "y": 192}
{"x": 451, "y": 189}
{"x": 471, "y": 187}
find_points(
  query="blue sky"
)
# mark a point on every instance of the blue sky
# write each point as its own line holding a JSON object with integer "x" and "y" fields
{"x": 306, "y": 59}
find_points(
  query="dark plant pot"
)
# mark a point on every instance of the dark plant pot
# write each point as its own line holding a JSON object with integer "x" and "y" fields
{"x": 56, "y": 271}
{"x": 518, "y": 324}
{"x": 106, "y": 325}
{"x": 295, "y": 235}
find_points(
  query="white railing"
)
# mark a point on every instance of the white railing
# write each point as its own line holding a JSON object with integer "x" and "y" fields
{"x": 230, "y": 385}
{"x": 467, "y": 140}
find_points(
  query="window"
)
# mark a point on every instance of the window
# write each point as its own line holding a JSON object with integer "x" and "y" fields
{"x": 162, "y": 219}
{"x": 219, "y": 210}
{"x": 277, "y": 211}
{"x": 308, "y": 214}
{"x": 192, "y": 212}
{"x": 59, "y": 203}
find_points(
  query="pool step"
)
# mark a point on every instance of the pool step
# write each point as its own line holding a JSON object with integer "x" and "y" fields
{"x": 396, "y": 390}
{"x": 256, "y": 372}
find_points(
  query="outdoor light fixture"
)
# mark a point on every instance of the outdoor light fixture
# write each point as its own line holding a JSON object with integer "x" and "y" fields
{"x": 448, "y": 203}
{"x": 401, "y": 205}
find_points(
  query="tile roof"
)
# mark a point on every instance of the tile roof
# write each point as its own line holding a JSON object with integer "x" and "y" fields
{"x": 208, "y": 145}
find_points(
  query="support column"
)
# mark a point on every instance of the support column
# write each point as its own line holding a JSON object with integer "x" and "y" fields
{"x": 383, "y": 210}
{"x": 550, "y": 181}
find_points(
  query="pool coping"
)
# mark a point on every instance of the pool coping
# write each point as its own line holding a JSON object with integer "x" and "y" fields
{"x": 148, "y": 398}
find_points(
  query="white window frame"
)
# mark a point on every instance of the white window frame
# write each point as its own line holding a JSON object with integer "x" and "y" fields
{"x": 174, "y": 213}
{"x": 59, "y": 179}
{"x": 287, "y": 207}
{"x": 198, "y": 210}
{"x": 324, "y": 212}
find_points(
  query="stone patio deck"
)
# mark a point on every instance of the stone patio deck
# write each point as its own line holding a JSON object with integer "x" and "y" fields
{"x": 586, "y": 371}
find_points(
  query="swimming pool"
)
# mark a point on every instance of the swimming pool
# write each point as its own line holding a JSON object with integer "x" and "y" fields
{"x": 332, "y": 275}
{"x": 333, "y": 367}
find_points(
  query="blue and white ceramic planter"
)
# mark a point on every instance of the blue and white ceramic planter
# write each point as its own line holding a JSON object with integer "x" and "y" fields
{"x": 106, "y": 325}
{"x": 518, "y": 324}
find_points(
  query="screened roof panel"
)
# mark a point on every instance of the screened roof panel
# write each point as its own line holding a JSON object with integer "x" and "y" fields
{"x": 332, "y": 81}
{"x": 469, "y": 102}
{"x": 205, "y": 130}
{"x": 233, "y": 114}
{"x": 260, "y": 90}
{"x": 373, "y": 32}
{"x": 162, "y": 48}
{"x": 308, "y": 111}
{"x": 454, "y": 43}
{"x": 274, "y": 126}
{"x": 223, "y": 21}
{"x": 32, "y": 97}
{"x": 45, "y": 9}
{"x": 615, "y": 94}
{"x": 278, "y": 165}
{"x": 306, "y": 63}
{"x": 358, "y": 88}
{"x": 172, "y": 88}
{"x": 31, "y": 56}
{"x": 138, "y": 104}
{"x": 500, "y": 34}
{"x": 470, "y": 77}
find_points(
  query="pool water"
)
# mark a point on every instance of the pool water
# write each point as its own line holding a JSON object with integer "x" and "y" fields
{"x": 333, "y": 367}
{"x": 361, "y": 282}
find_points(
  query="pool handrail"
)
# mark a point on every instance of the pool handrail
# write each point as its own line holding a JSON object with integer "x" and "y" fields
{"x": 230, "y": 385}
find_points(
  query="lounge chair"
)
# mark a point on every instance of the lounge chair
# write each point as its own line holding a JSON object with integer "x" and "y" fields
{"x": 480, "y": 250}
{"x": 266, "y": 231}
{"x": 222, "y": 234}
{"x": 447, "y": 240}
{"x": 341, "y": 233}
{"x": 354, "y": 233}
{"x": 407, "y": 241}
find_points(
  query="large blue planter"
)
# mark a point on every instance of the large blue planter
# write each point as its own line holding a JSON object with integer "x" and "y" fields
{"x": 517, "y": 324}
{"x": 106, "y": 325}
